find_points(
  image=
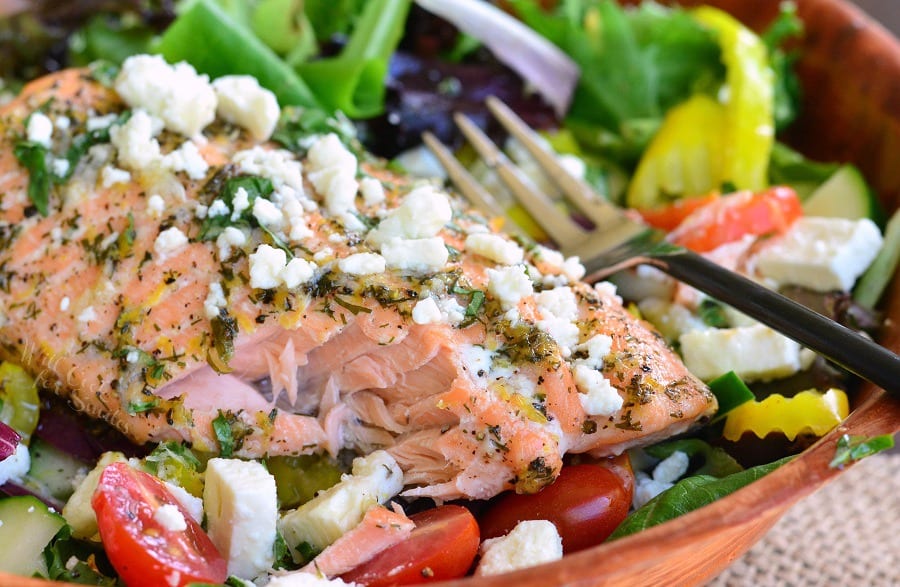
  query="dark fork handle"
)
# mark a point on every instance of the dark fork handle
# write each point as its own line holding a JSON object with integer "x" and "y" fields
{"x": 839, "y": 344}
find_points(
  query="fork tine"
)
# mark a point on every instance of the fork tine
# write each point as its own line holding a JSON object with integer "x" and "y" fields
{"x": 465, "y": 183}
{"x": 578, "y": 192}
{"x": 542, "y": 209}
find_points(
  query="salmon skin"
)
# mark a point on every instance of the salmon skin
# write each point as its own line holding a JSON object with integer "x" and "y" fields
{"x": 223, "y": 291}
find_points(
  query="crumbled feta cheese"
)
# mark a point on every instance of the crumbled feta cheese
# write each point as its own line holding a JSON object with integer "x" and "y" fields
{"x": 372, "y": 191}
{"x": 156, "y": 205}
{"x": 671, "y": 319}
{"x": 187, "y": 158}
{"x": 15, "y": 466}
{"x": 215, "y": 300}
{"x": 323, "y": 254}
{"x": 297, "y": 272}
{"x": 420, "y": 255}
{"x": 87, "y": 315}
{"x": 184, "y": 100}
{"x": 230, "y": 237}
{"x": 170, "y": 517}
{"x": 530, "y": 543}
{"x": 672, "y": 468}
{"x": 570, "y": 267}
{"x": 242, "y": 101}
{"x": 241, "y": 505}
{"x": 64, "y": 304}
{"x": 40, "y": 129}
{"x": 427, "y": 312}
{"x": 563, "y": 331}
{"x": 304, "y": 579}
{"x": 606, "y": 288}
{"x": 240, "y": 202}
{"x": 495, "y": 247}
{"x": 218, "y": 208}
{"x": 476, "y": 359}
{"x": 267, "y": 214}
{"x": 266, "y": 265}
{"x": 277, "y": 165}
{"x": 646, "y": 488}
{"x": 110, "y": 176}
{"x": 559, "y": 302}
{"x": 137, "y": 149}
{"x": 451, "y": 311}
{"x": 62, "y": 122}
{"x": 597, "y": 395}
{"x": 100, "y": 122}
{"x": 329, "y": 152}
{"x": 332, "y": 170}
{"x": 132, "y": 357}
{"x": 192, "y": 505}
{"x": 362, "y": 264}
{"x": 169, "y": 242}
{"x": 59, "y": 166}
{"x": 509, "y": 285}
{"x": 421, "y": 214}
{"x": 596, "y": 348}
{"x": 822, "y": 254}
{"x": 754, "y": 353}
{"x": 293, "y": 210}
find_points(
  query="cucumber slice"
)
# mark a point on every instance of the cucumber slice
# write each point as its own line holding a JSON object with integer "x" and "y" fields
{"x": 52, "y": 471}
{"x": 844, "y": 195}
{"x": 28, "y": 527}
{"x": 873, "y": 282}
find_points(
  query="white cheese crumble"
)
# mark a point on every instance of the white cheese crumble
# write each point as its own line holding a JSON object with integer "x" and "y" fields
{"x": 509, "y": 285}
{"x": 362, "y": 264}
{"x": 169, "y": 242}
{"x": 184, "y": 100}
{"x": 59, "y": 166}
{"x": 495, "y": 247}
{"x": 137, "y": 149}
{"x": 40, "y": 129}
{"x": 267, "y": 214}
{"x": 297, "y": 272}
{"x": 64, "y": 304}
{"x": 304, "y": 579}
{"x": 240, "y": 202}
{"x": 419, "y": 255}
{"x": 421, "y": 214}
{"x": 559, "y": 302}
{"x": 452, "y": 312}
{"x": 822, "y": 254}
{"x": 372, "y": 191}
{"x": 100, "y": 122}
{"x": 242, "y": 101}
{"x": 132, "y": 357}
{"x": 187, "y": 158}
{"x": 15, "y": 466}
{"x": 596, "y": 348}
{"x": 530, "y": 543}
{"x": 427, "y": 312}
{"x": 265, "y": 266}
{"x": 597, "y": 395}
{"x": 156, "y": 205}
{"x": 219, "y": 207}
{"x": 332, "y": 170}
{"x": 570, "y": 267}
{"x": 110, "y": 176}
{"x": 87, "y": 315}
{"x": 277, "y": 165}
{"x": 170, "y": 517}
{"x": 672, "y": 468}
{"x": 228, "y": 238}
{"x": 215, "y": 300}
{"x": 62, "y": 122}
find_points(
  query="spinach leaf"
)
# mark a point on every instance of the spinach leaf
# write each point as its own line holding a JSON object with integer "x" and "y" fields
{"x": 854, "y": 448}
{"x": 787, "y": 87}
{"x": 255, "y": 186}
{"x": 92, "y": 566}
{"x": 716, "y": 462}
{"x": 688, "y": 495}
{"x": 33, "y": 157}
{"x": 222, "y": 429}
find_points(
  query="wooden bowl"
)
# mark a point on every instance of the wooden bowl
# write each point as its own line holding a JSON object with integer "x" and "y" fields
{"x": 850, "y": 69}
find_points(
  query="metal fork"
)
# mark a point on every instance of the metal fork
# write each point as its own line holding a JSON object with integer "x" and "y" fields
{"x": 618, "y": 242}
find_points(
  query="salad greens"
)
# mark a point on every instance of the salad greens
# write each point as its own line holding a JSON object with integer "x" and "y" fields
{"x": 854, "y": 448}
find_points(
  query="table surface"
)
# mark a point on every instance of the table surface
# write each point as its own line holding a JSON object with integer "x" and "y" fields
{"x": 885, "y": 11}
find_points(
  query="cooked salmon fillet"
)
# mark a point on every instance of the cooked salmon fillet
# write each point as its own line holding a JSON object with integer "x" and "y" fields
{"x": 341, "y": 306}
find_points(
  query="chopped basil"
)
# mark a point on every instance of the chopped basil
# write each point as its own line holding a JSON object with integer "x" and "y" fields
{"x": 476, "y": 301}
{"x": 33, "y": 157}
{"x": 222, "y": 429}
{"x": 298, "y": 127}
{"x": 713, "y": 314}
{"x": 853, "y": 448}
{"x": 144, "y": 406}
{"x": 352, "y": 308}
{"x": 224, "y": 331}
{"x": 255, "y": 186}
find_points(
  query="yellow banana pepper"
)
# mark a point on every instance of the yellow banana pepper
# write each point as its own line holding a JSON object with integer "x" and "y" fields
{"x": 19, "y": 403}
{"x": 808, "y": 412}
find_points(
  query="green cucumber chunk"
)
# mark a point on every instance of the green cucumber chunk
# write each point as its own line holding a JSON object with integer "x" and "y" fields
{"x": 844, "y": 195}
{"x": 27, "y": 528}
{"x": 875, "y": 280}
{"x": 52, "y": 471}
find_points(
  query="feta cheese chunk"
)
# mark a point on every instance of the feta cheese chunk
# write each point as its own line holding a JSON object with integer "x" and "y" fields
{"x": 754, "y": 353}
{"x": 672, "y": 468}
{"x": 376, "y": 478}
{"x": 40, "y": 129}
{"x": 421, "y": 214}
{"x": 169, "y": 242}
{"x": 822, "y": 254}
{"x": 15, "y": 466}
{"x": 266, "y": 265}
{"x": 297, "y": 272}
{"x": 420, "y": 255}
{"x": 277, "y": 165}
{"x": 597, "y": 395}
{"x": 215, "y": 300}
{"x": 184, "y": 100}
{"x": 509, "y": 285}
{"x": 530, "y": 543}
{"x": 170, "y": 517}
{"x": 137, "y": 148}
{"x": 241, "y": 506}
{"x": 302, "y": 579}
{"x": 495, "y": 247}
{"x": 242, "y": 101}
{"x": 362, "y": 264}
{"x": 427, "y": 312}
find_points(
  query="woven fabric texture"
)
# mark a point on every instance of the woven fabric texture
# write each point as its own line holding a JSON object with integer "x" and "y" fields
{"x": 848, "y": 533}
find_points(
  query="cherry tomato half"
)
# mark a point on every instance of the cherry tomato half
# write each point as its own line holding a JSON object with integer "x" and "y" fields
{"x": 141, "y": 549}
{"x": 730, "y": 217}
{"x": 442, "y": 546}
{"x": 585, "y": 503}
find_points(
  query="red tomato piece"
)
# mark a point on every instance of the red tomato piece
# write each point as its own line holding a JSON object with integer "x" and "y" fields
{"x": 730, "y": 217}
{"x": 585, "y": 503}
{"x": 142, "y": 550}
{"x": 442, "y": 546}
{"x": 669, "y": 217}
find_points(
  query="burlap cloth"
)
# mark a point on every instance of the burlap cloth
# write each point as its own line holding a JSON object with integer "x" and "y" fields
{"x": 846, "y": 534}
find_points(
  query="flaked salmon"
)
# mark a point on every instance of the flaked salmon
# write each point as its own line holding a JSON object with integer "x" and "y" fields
{"x": 190, "y": 282}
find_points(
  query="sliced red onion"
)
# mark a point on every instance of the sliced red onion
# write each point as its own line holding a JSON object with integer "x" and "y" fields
{"x": 537, "y": 60}
{"x": 9, "y": 440}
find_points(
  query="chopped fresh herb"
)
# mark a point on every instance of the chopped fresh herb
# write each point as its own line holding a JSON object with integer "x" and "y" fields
{"x": 256, "y": 187}
{"x": 77, "y": 561}
{"x": 173, "y": 461}
{"x": 283, "y": 558}
{"x": 33, "y": 157}
{"x": 222, "y": 429}
{"x": 306, "y": 551}
{"x": 144, "y": 406}
{"x": 224, "y": 331}
{"x": 352, "y": 308}
{"x": 298, "y": 128}
{"x": 853, "y": 448}
{"x": 713, "y": 314}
